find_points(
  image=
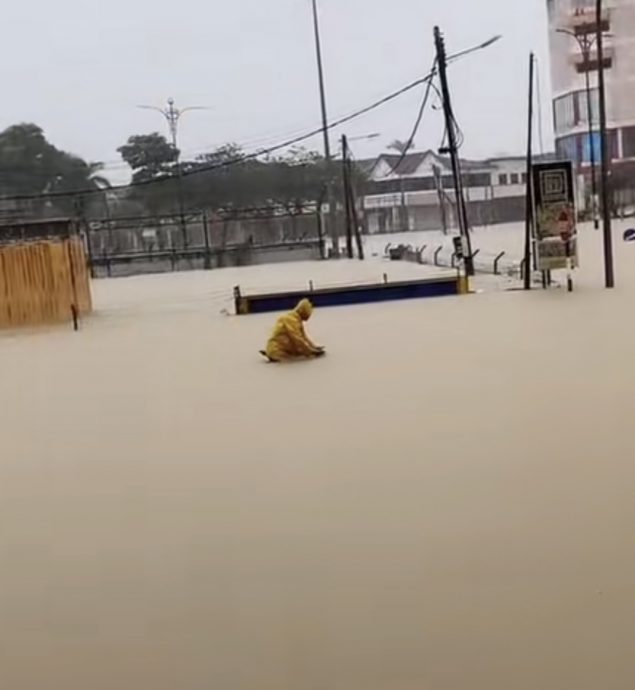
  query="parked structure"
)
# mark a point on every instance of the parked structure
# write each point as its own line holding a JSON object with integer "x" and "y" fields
{"x": 572, "y": 26}
{"x": 417, "y": 192}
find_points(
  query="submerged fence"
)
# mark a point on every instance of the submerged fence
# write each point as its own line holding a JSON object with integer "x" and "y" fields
{"x": 443, "y": 255}
{"x": 234, "y": 237}
{"x": 43, "y": 282}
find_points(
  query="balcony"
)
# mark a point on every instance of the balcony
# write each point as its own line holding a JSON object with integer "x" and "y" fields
{"x": 580, "y": 64}
{"x": 582, "y": 21}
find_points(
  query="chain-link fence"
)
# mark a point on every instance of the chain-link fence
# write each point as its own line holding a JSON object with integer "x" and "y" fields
{"x": 127, "y": 246}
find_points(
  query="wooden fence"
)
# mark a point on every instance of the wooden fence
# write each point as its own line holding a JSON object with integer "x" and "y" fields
{"x": 43, "y": 282}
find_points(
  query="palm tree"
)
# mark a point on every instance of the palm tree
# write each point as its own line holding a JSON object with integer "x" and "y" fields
{"x": 401, "y": 146}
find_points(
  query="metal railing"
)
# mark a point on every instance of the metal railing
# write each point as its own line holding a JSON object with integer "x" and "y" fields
{"x": 443, "y": 255}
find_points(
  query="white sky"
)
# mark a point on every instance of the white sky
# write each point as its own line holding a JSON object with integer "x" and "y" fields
{"x": 78, "y": 68}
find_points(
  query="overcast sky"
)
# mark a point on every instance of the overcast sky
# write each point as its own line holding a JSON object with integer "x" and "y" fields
{"x": 79, "y": 68}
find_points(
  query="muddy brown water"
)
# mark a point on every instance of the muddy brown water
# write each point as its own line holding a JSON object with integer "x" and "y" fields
{"x": 445, "y": 502}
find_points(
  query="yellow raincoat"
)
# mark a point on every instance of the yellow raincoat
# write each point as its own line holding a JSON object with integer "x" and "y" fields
{"x": 289, "y": 340}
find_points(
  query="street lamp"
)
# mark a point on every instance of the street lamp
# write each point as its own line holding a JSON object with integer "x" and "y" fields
{"x": 172, "y": 115}
{"x": 586, "y": 41}
{"x": 361, "y": 137}
{"x": 473, "y": 49}
{"x": 325, "y": 133}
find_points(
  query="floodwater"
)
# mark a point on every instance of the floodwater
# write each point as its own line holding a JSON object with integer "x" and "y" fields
{"x": 444, "y": 502}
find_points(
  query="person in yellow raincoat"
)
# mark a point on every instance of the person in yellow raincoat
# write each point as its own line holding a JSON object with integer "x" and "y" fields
{"x": 289, "y": 340}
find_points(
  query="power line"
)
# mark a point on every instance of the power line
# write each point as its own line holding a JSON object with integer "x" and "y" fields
{"x": 241, "y": 159}
{"x": 263, "y": 139}
{"x": 424, "y": 104}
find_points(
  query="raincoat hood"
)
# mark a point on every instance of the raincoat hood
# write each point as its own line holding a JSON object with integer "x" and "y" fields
{"x": 304, "y": 309}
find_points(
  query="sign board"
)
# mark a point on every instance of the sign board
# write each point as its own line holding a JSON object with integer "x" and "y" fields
{"x": 459, "y": 247}
{"x": 555, "y": 215}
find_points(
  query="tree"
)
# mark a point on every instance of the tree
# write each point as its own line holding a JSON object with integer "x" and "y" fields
{"x": 226, "y": 178}
{"x": 30, "y": 165}
{"x": 401, "y": 146}
{"x": 152, "y": 159}
{"x": 149, "y": 155}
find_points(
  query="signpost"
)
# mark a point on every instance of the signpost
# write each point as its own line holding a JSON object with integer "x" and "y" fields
{"x": 555, "y": 218}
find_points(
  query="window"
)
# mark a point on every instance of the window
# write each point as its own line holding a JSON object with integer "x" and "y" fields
{"x": 572, "y": 110}
{"x": 583, "y": 107}
{"x": 524, "y": 178}
{"x": 576, "y": 147}
{"x": 588, "y": 148}
{"x": 567, "y": 148}
{"x": 502, "y": 179}
{"x": 628, "y": 142}
{"x": 397, "y": 186}
{"x": 514, "y": 178}
{"x": 477, "y": 180}
{"x": 564, "y": 113}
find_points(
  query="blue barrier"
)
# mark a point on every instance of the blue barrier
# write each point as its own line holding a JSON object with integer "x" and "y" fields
{"x": 358, "y": 294}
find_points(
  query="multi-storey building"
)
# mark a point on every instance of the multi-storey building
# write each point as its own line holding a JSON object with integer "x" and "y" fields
{"x": 574, "y": 67}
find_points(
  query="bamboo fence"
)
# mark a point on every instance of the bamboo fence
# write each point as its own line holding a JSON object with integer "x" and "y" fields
{"x": 43, "y": 282}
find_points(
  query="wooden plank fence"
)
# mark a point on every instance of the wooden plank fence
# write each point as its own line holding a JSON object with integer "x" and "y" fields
{"x": 43, "y": 282}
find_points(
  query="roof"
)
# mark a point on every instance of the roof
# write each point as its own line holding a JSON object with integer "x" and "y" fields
{"x": 405, "y": 165}
{"x": 366, "y": 165}
{"x": 409, "y": 164}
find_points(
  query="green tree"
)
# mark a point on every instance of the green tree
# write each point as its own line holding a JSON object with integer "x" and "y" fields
{"x": 149, "y": 155}
{"x": 31, "y": 165}
{"x": 152, "y": 159}
{"x": 225, "y": 178}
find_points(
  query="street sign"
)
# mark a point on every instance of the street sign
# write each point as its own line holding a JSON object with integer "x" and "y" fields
{"x": 555, "y": 214}
{"x": 459, "y": 247}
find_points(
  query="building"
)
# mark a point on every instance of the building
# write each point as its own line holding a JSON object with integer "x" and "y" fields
{"x": 417, "y": 192}
{"x": 572, "y": 31}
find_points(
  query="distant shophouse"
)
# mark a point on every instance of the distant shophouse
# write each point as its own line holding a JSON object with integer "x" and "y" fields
{"x": 417, "y": 192}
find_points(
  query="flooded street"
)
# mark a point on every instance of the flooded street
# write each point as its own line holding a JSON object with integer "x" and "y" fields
{"x": 445, "y": 502}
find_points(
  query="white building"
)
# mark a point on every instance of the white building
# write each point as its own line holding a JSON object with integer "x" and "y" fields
{"x": 418, "y": 192}
{"x": 569, "y": 73}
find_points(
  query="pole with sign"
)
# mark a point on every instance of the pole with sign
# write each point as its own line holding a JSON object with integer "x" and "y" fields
{"x": 555, "y": 218}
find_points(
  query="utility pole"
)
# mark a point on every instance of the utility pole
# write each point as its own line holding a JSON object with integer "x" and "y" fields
{"x": 586, "y": 42}
{"x": 452, "y": 150}
{"x": 438, "y": 182}
{"x": 172, "y": 115}
{"x": 609, "y": 270}
{"x": 350, "y": 201}
{"x": 332, "y": 229}
{"x": 529, "y": 211}
{"x": 347, "y": 197}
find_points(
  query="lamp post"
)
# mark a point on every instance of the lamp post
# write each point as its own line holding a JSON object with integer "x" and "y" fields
{"x": 333, "y": 229}
{"x": 586, "y": 41}
{"x": 473, "y": 49}
{"x": 172, "y": 115}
